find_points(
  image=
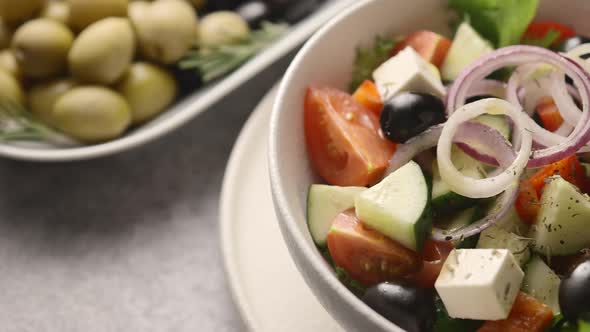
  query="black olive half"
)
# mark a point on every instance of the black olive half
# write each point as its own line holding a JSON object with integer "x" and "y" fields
{"x": 413, "y": 309}
{"x": 408, "y": 114}
{"x": 574, "y": 293}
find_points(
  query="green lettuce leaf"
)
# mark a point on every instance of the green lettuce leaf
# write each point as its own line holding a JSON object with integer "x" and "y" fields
{"x": 503, "y": 22}
{"x": 368, "y": 59}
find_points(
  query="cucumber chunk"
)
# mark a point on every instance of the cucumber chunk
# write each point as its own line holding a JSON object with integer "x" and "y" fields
{"x": 563, "y": 224}
{"x": 498, "y": 238}
{"x": 467, "y": 47}
{"x": 542, "y": 283}
{"x": 324, "y": 203}
{"x": 399, "y": 206}
{"x": 444, "y": 201}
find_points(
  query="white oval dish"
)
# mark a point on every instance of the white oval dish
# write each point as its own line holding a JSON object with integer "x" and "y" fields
{"x": 327, "y": 58}
{"x": 184, "y": 110}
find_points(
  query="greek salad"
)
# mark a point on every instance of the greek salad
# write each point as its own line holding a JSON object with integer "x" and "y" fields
{"x": 455, "y": 187}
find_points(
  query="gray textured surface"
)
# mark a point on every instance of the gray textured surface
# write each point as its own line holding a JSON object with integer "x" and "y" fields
{"x": 125, "y": 243}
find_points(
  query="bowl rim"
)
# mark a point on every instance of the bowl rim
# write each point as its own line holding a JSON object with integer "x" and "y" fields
{"x": 285, "y": 217}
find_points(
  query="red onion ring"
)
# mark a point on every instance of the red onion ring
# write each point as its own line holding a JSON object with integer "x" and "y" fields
{"x": 563, "y": 99}
{"x": 564, "y": 130}
{"x": 407, "y": 151}
{"x": 488, "y": 87}
{"x": 472, "y": 136}
{"x": 526, "y": 82}
{"x": 514, "y": 164}
{"x": 495, "y": 151}
{"x": 516, "y": 55}
{"x": 535, "y": 88}
{"x": 487, "y": 187}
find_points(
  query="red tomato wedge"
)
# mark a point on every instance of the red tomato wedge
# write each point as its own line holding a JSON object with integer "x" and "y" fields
{"x": 368, "y": 95}
{"x": 367, "y": 255}
{"x": 538, "y": 30}
{"x": 527, "y": 315}
{"x": 343, "y": 138}
{"x": 549, "y": 114}
{"x": 434, "y": 255}
{"x": 527, "y": 202}
{"x": 430, "y": 45}
{"x": 570, "y": 169}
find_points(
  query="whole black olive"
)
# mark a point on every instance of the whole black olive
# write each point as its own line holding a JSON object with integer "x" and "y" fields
{"x": 408, "y": 114}
{"x": 574, "y": 293}
{"x": 573, "y": 42}
{"x": 413, "y": 309}
{"x": 254, "y": 12}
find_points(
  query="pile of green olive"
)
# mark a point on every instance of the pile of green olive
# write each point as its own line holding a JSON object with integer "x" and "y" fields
{"x": 94, "y": 68}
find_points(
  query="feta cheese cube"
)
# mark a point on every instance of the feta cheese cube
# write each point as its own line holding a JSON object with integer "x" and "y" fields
{"x": 407, "y": 71}
{"x": 479, "y": 283}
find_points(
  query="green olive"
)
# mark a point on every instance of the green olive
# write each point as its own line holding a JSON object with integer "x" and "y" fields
{"x": 42, "y": 98}
{"x": 9, "y": 64}
{"x": 103, "y": 51}
{"x": 85, "y": 12}
{"x": 91, "y": 114}
{"x": 166, "y": 29}
{"x": 222, "y": 27}
{"x": 148, "y": 89}
{"x": 10, "y": 88}
{"x": 18, "y": 11}
{"x": 57, "y": 10}
{"x": 41, "y": 47}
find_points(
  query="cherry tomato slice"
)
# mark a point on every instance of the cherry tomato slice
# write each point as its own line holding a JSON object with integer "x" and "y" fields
{"x": 430, "y": 45}
{"x": 549, "y": 114}
{"x": 527, "y": 202}
{"x": 368, "y": 95}
{"x": 367, "y": 255}
{"x": 527, "y": 315}
{"x": 538, "y": 30}
{"x": 343, "y": 138}
{"x": 570, "y": 169}
{"x": 434, "y": 255}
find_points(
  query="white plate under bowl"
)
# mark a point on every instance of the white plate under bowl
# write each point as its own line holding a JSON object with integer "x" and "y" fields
{"x": 267, "y": 287}
{"x": 187, "y": 108}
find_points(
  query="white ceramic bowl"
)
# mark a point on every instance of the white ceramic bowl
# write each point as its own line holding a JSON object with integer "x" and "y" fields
{"x": 327, "y": 58}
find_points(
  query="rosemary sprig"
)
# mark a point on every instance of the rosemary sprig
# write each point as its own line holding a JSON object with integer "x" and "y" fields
{"x": 214, "y": 61}
{"x": 18, "y": 124}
